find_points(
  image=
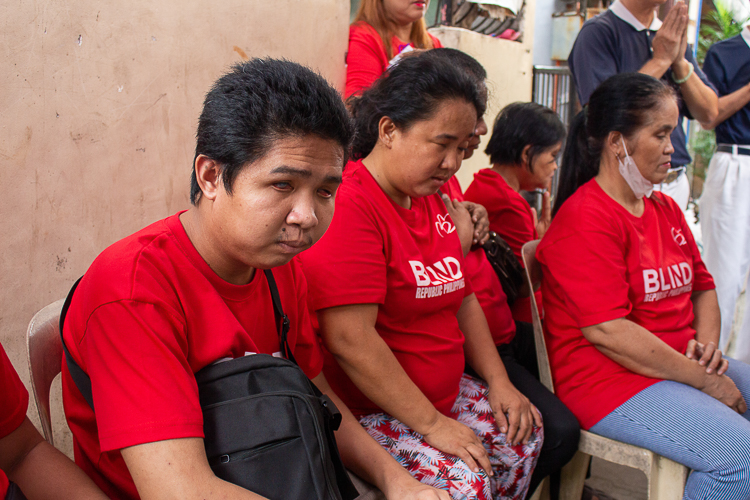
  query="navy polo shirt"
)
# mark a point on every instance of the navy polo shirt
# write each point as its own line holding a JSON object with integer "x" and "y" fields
{"x": 608, "y": 45}
{"x": 727, "y": 65}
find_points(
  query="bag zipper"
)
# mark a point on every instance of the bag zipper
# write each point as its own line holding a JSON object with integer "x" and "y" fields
{"x": 241, "y": 455}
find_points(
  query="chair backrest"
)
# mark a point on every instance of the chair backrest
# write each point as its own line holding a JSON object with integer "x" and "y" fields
{"x": 44, "y": 351}
{"x": 534, "y": 279}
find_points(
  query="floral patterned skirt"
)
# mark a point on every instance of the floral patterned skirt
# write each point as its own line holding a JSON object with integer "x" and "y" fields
{"x": 512, "y": 465}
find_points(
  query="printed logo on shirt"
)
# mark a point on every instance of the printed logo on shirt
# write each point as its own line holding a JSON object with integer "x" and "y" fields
{"x": 444, "y": 276}
{"x": 678, "y": 237}
{"x": 667, "y": 281}
{"x": 443, "y": 225}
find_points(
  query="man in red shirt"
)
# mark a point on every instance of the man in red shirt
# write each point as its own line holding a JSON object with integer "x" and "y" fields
{"x": 158, "y": 306}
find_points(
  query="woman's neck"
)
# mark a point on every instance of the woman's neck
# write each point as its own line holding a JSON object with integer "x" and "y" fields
{"x": 402, "y": 32}
{"x": 612, "y": 183}
{"x": 510, "y": 174}
{"x": 375, "y": 163}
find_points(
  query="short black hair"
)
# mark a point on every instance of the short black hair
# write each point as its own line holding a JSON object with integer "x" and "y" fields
{"x": 521, "y": 124}
{"x": 410, "y": 92}
{"x": 258, "y": 102}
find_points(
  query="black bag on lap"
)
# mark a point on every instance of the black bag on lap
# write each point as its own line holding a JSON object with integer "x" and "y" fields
{"x": 267, "y": 427}
{"x": 295, "y": 455}
{"x": 506, "y": 266}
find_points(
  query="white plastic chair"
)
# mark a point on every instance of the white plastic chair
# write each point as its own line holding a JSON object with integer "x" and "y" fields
{"x": 44, "y": 351}
{"x": 666, "y": 478}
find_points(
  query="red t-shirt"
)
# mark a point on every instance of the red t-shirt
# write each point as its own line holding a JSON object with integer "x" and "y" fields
{"x": 510, "y": 217}
{"x": 366, "y": 59}
{"x": 148, "y": 314}
{"x": 14, "y": 401}
{"x": 410, "y": 263}
{"x": 485, "y": 283}
{"x": 602, "y": 263}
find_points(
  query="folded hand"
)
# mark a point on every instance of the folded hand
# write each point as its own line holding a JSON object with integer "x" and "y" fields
{"x": 707, "y": 355}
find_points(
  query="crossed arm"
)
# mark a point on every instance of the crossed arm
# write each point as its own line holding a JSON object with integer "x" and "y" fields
{"x": 642, "y": 352}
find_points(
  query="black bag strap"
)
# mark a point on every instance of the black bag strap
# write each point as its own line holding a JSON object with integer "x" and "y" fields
{"x": 83, "y": 381}
{"x": 282, "y": 320}
{"x": 14, "y": 492}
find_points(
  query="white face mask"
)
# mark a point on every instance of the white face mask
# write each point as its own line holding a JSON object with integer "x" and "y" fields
{"x": 629, "y": 170}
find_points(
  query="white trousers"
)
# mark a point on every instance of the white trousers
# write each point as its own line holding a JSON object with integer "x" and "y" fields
{"x": 725, "y": 224}
{"x": 678, "y": 190}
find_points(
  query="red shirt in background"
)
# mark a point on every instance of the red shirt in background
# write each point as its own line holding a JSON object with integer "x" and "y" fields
{"x": 148, "y": 314}
{"x": 366, "y": 58}
{"x": 602, "y": 263}
{"x": 410, "y": 263}
{"x": 485, "y": 283}
{"x": 510, "y": 217}
{"x": 14, "y": 401}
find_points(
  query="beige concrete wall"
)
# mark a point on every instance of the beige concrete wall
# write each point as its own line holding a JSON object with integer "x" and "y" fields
{"x": 509, "y": 75}
{"x": 98, "y": 106}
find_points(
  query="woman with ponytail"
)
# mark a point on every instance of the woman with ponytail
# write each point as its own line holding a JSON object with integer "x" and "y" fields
{"x": 380, "y": 33}
{"x": 631, "y": 315}
{"x": 396, "y": 310}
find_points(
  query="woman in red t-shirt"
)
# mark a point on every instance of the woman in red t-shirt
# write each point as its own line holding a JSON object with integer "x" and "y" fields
{"x": 517, "y": 351}
{"x": 631, "y": 315}
{"x": 396, "y": 312}
{"x": 523, "y": 149}
{"x": 525, "y": 142}
{"x": 36, "y": 467}
{"x": 381, "y": 31}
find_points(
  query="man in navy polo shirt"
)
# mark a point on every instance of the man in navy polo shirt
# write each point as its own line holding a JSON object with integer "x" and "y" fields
{"x": 629, "y": 37}
{"x": 725, "y": 203}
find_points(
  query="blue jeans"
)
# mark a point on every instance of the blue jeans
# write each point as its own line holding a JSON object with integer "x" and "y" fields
{"x": 692, "y": 428}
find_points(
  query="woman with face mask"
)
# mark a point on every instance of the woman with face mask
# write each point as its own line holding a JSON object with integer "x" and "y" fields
{"x": 390, "y": 286}
{"x": 380, "y": 33}
{"x": 631, "y": 316}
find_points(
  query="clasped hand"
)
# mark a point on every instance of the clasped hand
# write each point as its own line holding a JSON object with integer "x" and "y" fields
{"x": 707, "y": 355}
{"x": 670, "y": 42}
{"x": 541, "y": 223}
{"x": 716, "y": 384}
